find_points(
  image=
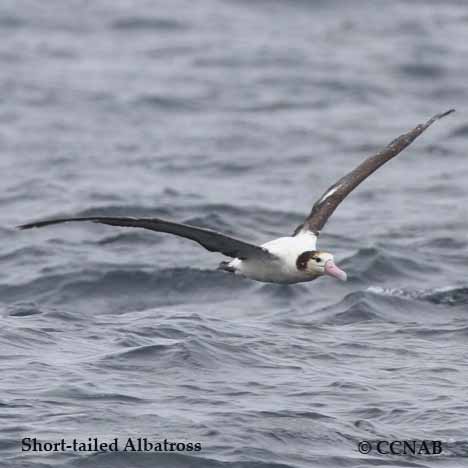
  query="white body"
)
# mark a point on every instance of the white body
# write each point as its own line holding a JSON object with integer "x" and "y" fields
{"x": 280, "y": 270}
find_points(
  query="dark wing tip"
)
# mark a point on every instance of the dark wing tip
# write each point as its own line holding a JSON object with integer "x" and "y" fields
{"x": 442, "y": 114}
{"x": 39, "y": 224}
{"x": 22, "y": 227}
{"x": 433, "y": 119}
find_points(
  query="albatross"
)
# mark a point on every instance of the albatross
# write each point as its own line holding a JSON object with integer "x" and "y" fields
{"x": 290, "y": 259}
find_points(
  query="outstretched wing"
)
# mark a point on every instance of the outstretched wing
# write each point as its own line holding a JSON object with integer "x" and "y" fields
{"x": 328, "y": 202}
{"x": 211, "y": 240}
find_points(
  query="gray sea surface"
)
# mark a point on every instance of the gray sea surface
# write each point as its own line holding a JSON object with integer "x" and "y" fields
{"x": 234, "y": 115}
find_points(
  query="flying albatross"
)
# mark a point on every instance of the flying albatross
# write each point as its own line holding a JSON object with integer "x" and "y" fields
{"x": 290, "y": 259}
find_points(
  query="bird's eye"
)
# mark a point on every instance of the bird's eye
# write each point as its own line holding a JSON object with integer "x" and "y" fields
{"x": 318, "y": 260}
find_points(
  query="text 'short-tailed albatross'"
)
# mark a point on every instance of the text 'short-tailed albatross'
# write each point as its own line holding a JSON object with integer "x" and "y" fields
{"x": 291, "y": 259}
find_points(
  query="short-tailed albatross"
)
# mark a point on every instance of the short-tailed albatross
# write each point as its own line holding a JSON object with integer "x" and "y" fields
{"x": 290, "y": 259}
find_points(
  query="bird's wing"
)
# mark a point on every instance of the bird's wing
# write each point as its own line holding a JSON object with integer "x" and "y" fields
{"x": 211, "y": 240}
{"x": 328, "y": 202}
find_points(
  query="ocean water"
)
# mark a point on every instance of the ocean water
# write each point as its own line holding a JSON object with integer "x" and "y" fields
{"x": 235, "y": 115}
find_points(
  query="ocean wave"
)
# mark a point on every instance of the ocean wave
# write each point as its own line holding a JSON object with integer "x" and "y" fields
{"x": 118, "y": 287}
{"x": 449, "y": 295}
{"x": 197, "y": 350}
{"x": 143, "y": 23}
{"x": 420, "y": 70}
{"x": 23, "y": 309}
{"x": 172, "y": 460}
{"x": 36, "y": 252}
{"x": 11, "y": 22}
{"x": 354, "y": 308}
{"x": 170, "y": 103}
{"x": 86, "y": 392}
{"x": 377, "y": 265}
{"x": 376, "y": 304}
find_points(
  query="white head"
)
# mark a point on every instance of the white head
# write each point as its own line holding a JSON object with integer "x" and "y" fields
{"x": 316, "y": 263}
